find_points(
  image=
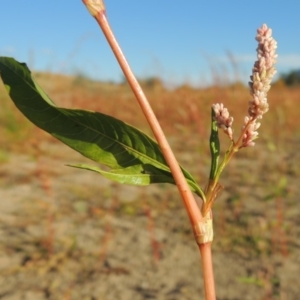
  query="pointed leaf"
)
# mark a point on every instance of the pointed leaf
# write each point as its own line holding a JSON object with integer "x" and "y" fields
{"x": 134, "y": 175}
{"x": 214, "y": 144}
{"x": 137, "y": 175}
{"x": 97, "y": 136}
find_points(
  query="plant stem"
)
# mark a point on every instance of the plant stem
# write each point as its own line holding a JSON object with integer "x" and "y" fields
{"x": 213, "y": 186}
{"x": 186, "y": 194}
{"x": 208, "y": 275}
{"x": 202, "y": 227}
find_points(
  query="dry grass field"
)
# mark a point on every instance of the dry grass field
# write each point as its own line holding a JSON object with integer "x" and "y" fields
{"x": 71, "y": 234}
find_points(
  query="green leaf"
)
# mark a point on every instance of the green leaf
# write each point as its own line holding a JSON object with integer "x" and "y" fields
{"x": 138, "y": 175}
{"x": 127, "y": 151}
{"x": 214, "y": 145}
{"x": 134, "y": 175}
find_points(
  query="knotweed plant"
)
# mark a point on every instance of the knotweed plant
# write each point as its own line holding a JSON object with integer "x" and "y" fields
{"x": 262, "y": 73}
{"x": 131, "y": 156}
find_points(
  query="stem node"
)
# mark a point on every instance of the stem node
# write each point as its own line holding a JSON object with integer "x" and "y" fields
{"x": 94, "y": 6}
{"x": 203, "y": 230}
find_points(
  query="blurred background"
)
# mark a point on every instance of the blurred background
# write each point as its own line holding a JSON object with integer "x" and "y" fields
{"x": 178, "y": 43}
{"x": 71, "y": 234}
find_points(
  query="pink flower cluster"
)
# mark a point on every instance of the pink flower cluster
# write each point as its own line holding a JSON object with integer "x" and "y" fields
{"x": 223, "y": 118}
{"x": 262, "y": 74}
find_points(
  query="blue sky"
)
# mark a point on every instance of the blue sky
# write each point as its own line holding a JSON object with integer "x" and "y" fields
{"x": 179, "y": 41}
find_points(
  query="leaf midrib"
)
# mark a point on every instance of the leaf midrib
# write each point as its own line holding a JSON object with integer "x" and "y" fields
{"x": 163, "y": 166}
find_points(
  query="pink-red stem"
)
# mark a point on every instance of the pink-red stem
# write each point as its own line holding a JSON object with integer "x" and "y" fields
{"x": 208, "y": 273}
{"x": 191, "y": 206}
{"x": 186, "y": 194}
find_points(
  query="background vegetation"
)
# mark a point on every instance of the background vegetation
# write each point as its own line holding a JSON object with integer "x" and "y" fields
{"x": 83, "y": 237}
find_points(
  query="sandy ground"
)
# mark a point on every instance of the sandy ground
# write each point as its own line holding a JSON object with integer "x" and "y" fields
{"x": 71, "y": 234}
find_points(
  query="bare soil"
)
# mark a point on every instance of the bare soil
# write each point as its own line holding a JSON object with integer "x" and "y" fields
{"x": 71, "y": 234}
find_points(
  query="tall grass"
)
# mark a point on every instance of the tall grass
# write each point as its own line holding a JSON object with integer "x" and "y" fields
{"x": 183, "y": 111}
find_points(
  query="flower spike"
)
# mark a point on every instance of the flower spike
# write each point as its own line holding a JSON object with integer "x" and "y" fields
{"x": 223, "y": 119}
{"x": 262, "y": 74}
